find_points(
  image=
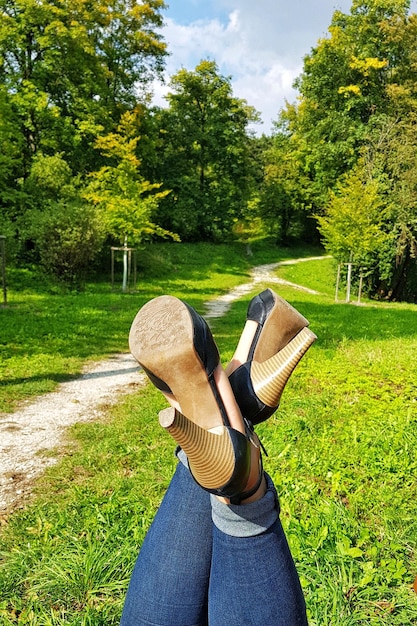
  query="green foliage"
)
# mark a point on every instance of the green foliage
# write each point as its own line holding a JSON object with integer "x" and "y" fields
{"x": 354, "y": 129}
{"x": 68, "y": 237}
{"x": 75, "y": 121}
{"x": 205, "y": 155}
{"x": 66, "y": 233}
{"x": 50, "y": 178}
{"x": 349, "y": 77}
{"x": 125, "y": 200}
{"x": 391, "y": 159}
{"x": 282, "y": 196}
{"x": 71, "y": 67}
{"x": 10, "y": 156}
{"x": 7, "y": 229}
{"x": 68, "y": 71}
{"x": 352, "y": 227}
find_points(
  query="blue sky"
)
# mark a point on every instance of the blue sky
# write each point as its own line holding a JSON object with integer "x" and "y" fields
{"x": 188, "y": 11}
{"x": 259, "y": 43}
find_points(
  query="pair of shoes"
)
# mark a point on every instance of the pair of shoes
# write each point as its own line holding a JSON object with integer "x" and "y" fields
{"x": 280, "y": 341}
{"x": 177, "y": 351}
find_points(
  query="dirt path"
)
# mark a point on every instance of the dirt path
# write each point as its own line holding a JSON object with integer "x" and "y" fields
{"x": 259, "y": 274}
{"x": 39, "y": 426}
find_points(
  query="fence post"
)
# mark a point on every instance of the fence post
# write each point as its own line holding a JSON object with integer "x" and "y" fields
{"x": 349, "y": 278}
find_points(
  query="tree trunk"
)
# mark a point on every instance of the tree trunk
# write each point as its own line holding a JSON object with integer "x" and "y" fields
{"x": 399, "y": 280}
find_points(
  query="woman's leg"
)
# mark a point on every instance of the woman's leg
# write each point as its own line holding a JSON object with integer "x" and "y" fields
{"x": 253, "y": 579}
{"x": 169, "y": 584}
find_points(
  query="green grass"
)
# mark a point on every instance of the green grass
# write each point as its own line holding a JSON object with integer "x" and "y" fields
{"x": 319, "y": 275}
{"x": 46, "y": 335}
{"x": 342, "y": 448}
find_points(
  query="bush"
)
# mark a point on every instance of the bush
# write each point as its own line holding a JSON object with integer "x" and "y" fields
{"x": 68, "y": 237}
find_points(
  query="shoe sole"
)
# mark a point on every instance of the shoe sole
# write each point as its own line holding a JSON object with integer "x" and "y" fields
{"x": 162, "y": 340}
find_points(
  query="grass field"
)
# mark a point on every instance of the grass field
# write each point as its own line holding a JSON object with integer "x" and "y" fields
{"x": 342, "y": 447}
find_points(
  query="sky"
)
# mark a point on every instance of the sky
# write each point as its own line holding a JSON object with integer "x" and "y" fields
{"x": 259, "y": 43}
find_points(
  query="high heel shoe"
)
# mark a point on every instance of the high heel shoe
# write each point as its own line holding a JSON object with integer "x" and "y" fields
{"x": 220, "y": 456}
{"x": 177, "y": 351}
{"x": 258, "y": 386}
{"x": 271, "y": 322}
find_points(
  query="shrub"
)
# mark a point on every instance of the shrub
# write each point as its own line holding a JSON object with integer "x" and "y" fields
{"x": 68, "y": 237}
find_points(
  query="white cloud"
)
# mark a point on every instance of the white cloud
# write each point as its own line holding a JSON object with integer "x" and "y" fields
{"x": 286, "y": 28}
{"x": 261, "y": 45}
{"x": 259, "y": 76}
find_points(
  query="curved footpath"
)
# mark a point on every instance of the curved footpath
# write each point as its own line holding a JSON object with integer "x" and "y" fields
{"x": 40, "y": 425}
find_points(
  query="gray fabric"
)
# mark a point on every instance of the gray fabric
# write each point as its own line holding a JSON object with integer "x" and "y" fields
{"x": 247, "y": 520}
{"x": 181, "y": 456}
{"x": 242, "y": 520}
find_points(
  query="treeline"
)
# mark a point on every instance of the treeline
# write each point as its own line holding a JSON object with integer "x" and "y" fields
{"x": 86, "y": 161}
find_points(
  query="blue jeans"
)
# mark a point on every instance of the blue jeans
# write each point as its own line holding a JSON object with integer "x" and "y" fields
{"x": 204, "y": 563}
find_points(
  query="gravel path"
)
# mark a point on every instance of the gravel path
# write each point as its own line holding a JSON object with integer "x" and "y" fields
{"x": 39, "y": 426}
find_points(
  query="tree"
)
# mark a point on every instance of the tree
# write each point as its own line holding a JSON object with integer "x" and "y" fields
{"x": 65, "y": 232}
{"x": 282, "y": 200}
{"x": 205, "y": 154}
{"x": 358, "y": 101}
{"x": 371, "y": 218}
{"x": 353, "y": 224}
{"x": 390, "y": 156}
{"x": 71, "y": 68}
{"x": 10, "y": 158}
{"x": 349, "y": 78}
{"x": 126, "y": 200}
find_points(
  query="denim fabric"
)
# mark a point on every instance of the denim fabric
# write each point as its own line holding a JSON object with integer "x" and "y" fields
{"x": 191, "y": 573}
{"x": 253, "y": 581}
{"x": 169, "y": 584}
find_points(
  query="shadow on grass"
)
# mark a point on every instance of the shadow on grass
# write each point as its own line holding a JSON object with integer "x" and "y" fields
{"x": 56, "y": 378}
{"x": 346, "y": 321}
{"x": 332, "y": 323}
{"x": 64, "y": 378}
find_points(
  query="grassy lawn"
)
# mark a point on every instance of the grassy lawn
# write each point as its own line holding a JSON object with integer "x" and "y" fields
{"x": 342, "y": 447}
